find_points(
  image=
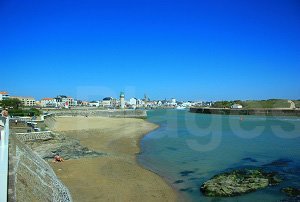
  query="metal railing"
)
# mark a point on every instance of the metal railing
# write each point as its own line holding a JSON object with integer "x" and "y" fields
{"x": 4, "y": 129}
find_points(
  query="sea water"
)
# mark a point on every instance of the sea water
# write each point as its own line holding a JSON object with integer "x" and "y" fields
{"x": 189, "y": 149}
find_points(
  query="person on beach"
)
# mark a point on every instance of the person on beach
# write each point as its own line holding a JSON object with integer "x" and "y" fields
{"x": 57, "y": 158}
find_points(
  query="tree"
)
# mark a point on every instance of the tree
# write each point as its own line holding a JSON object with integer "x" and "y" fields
{"x": 11, "y": 103}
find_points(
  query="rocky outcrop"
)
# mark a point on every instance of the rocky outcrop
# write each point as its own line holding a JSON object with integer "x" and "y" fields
{"x": 66, "y": 147}
{"x": 239, "y": 182}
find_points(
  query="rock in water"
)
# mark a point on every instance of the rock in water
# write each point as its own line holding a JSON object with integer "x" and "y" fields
{"x": 291, "y": 191}
{"x": 238, "y": 182}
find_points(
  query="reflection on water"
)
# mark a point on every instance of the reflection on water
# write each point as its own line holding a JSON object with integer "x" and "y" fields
{"x": 189, "y": 149}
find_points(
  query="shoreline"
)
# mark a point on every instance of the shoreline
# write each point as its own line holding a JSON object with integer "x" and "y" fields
{"x": 178, "y": 196}
{"x": 120, "y": 166}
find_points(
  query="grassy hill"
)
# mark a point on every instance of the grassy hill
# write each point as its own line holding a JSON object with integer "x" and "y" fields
{"x": 250, "y": 104}
{"x": 297, "y": 103}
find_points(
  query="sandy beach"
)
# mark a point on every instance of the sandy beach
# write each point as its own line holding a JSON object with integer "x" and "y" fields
{"x": 115, "y": 176}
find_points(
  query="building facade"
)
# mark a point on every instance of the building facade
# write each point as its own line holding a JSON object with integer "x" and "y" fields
{"x": 26, "y": 101}
{"x": 4, "y": 95}
{"x": 48, "y": 102}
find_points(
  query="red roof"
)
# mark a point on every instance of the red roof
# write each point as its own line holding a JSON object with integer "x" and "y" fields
{"x": 4, "y": 93}
{"x": 47, "y": 99}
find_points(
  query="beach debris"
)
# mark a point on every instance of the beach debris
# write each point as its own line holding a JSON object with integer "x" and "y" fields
{"x": 238, "y": 182}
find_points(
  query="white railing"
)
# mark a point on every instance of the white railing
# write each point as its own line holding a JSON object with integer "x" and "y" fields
{"x": 4, "y": 122}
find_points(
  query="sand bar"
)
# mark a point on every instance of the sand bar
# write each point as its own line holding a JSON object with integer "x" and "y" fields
{"x": 116, "y": 176}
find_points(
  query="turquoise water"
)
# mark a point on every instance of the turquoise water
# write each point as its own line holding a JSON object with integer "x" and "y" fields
{"x": 189, "y": 149}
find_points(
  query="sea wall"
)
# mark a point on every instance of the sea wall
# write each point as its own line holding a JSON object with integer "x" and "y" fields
{"x": 263, "y": 112}
{"x": 34, "y": 179}
{"x": 103, "y": 113}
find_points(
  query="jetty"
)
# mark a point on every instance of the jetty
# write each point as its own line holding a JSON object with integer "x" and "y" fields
{"x": 257, "y": 111}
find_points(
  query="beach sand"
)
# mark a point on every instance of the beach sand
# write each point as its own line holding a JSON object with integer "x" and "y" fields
{"x": 115, "y": 176}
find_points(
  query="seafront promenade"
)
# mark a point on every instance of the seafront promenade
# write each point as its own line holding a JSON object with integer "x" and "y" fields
{"x": 117, "y": 113}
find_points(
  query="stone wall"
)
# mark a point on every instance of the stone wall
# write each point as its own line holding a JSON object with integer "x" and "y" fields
{"x": 44, "y": 135}
{"x": 102, "y": 113}
{"x": 34, "y": 179}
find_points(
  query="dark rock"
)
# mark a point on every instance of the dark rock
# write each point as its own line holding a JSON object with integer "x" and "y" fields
{"x": 178, "y": 181}
{"x": 279, "y": 163}
{"x": 291, "y": 191}
{"x": 66, "y": 147}
{"x": 172, "y": 148}
{"x": 186, "y": 173}
{"x": 249, "y": 159}
{"x": 186, "y": 190}
{"x": 238, "y": 182}
{"x": 193, "y": 178}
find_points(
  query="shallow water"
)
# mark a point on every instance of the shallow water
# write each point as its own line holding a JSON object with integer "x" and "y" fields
{"x": 189, "y": 149}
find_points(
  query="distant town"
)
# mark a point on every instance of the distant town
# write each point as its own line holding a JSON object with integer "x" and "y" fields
{"x": 122, "y": 102}
{"x": 64, "y": 101}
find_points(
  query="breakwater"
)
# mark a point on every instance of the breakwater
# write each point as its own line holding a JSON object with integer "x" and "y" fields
{"x": 103, "y": 113}
{"x": 261, "y": 112}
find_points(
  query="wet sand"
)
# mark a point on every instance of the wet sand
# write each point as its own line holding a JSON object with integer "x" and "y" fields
{"x": 115, "y": 176}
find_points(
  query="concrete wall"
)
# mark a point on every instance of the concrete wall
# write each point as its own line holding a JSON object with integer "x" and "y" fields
{"x": 103, "y": 113}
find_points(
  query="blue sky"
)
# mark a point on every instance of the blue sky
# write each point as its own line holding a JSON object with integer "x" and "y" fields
{"x": 191, "y": 50}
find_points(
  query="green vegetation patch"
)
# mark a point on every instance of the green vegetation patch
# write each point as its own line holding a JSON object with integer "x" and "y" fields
{"x": 297, "y": 103}
{"x": 24, "y": 112}
{"x": 251, "y": 104}
{"x": 273, "y": 103}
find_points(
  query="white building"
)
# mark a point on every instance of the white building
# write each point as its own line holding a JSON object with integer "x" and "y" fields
{"x": 65, "y": 101}
{"x": 107, "y": 102}
{"x": 187, "y": 104}
{"x": 236, "y": 106}
{"x": 94, "y": 104}
{"x": 48, "y": 102}
{"x": 4, "y": 95}
{"x": 26, "y": 101}
{"x": 133, "y": 101}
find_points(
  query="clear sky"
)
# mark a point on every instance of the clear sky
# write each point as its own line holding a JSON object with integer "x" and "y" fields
{"x": 190, "y": 50}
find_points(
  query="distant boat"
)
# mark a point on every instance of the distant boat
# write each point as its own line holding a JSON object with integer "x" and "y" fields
{"x": 180, "y": 107}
